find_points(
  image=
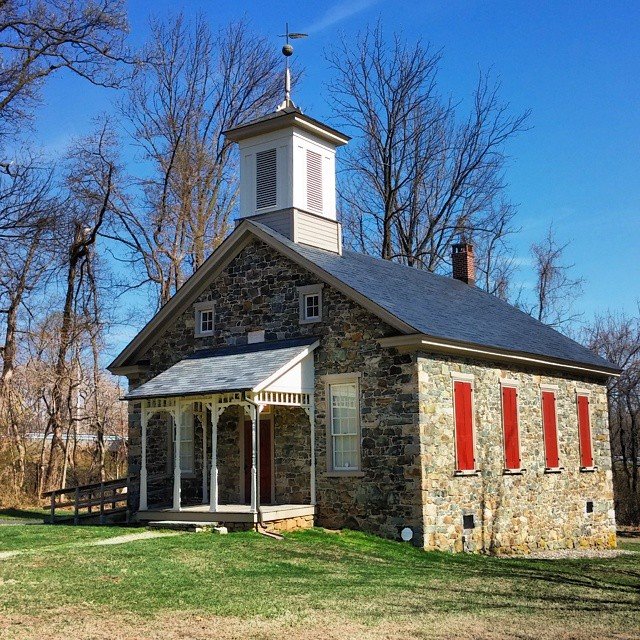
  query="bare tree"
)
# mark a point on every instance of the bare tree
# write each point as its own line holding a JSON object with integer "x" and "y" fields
{"x": 197, "y": 85}
{"x": 27, "y": 209}
{"x": 40, "y": 37}
{"x": 417, "y": 177}
{"x": 616, "y": 337}
{"x": 90, "y": 182}
{"x": 556, "y": 289}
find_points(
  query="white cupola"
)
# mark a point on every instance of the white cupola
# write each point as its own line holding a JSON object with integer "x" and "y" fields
{"x": 288, "y": 175}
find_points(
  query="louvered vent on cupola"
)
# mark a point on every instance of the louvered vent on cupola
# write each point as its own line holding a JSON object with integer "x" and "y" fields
{"x": 314, "y": 181}
{"x": 266, "y": 179}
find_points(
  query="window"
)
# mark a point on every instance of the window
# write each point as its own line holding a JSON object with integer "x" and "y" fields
{"x": 584, "y": 432}
{"x": 310, "y": 303}
{"x": 266, "y": 179}
{"x": 314, "y": 181}
{"x": 186, "y": 447}
{"x": 344, "y": 426}
{"x": 312, "y": 306}
{"x": 206, "y": 321}
{"x": 550, "y": 429}
{"x": 463, "y": 416}
{"x": 510, "y": 428}
{"x": 204, "y": 318}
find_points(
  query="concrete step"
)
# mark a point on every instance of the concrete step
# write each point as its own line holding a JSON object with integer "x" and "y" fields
{"x": 185, "y": 525}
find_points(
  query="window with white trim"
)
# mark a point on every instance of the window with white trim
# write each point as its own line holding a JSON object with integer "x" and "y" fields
{"x": 310, "y": 303}
{"x": 344, "y": 426}
{"x": 204, "y": 318}
{"x": 312, "y": 306}
{"x": 187, "y": 450}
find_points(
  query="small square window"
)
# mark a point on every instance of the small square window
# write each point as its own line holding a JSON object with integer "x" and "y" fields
{"x": 204, "y": 318}
{"x": 312, "y": 306}
{"x": 310, "y": 303}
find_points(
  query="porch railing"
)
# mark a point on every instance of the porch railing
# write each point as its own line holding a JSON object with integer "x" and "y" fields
{"x": 100, "y": 499}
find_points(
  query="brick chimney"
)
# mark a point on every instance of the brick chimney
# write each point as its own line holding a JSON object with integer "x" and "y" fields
{"x": 463, "y": 262}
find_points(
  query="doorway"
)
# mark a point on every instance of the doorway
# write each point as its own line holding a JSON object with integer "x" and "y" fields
{"x": 266, "y": 461}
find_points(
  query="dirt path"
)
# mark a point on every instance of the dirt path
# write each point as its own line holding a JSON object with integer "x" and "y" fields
{"x": 125, "y": 539}
{"x": 182, "y": 625}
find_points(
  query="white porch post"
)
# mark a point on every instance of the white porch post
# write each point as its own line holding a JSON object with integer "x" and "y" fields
{"x": 178, "y": 416}
{"x": 213, "y": 505}
{"x": 312, "y": 425}
{"x": 143, "y": 460}
{"x": 255, "y": 420}
{"x": 205, "y": 482}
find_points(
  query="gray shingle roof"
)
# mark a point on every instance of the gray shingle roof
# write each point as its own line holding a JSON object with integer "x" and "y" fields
{"x": 225, "y": 369}
{"x": 442, "y": 307}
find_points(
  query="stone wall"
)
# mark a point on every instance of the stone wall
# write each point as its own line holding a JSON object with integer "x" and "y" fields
{"x": 258, "y": 290}
{"x": 229, "y": 457}
{"x": 407, "y": 433}
{"x": 292, "y": 456}
{"x": 513, "y": 513}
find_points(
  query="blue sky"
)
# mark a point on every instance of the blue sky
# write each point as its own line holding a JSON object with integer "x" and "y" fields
{"x": 574, "y": 64}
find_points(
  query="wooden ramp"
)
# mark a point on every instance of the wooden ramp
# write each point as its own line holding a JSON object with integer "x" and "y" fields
{"x": 100, "y": 501}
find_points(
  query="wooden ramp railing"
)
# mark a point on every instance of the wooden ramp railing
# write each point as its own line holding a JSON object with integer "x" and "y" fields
{"x": 100, "y": 499}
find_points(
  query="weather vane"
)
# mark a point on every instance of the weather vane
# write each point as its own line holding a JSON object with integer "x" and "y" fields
{"x": 287, "y": 51}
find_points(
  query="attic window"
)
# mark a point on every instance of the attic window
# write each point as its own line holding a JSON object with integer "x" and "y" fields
{"x": 314, "y": 181}
{"x": 310, "y": 303}
{"x": 266, "y": 179}
{"x": 204, "y": 318}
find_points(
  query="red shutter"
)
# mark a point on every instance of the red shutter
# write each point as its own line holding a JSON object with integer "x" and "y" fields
{"x": 550, "y": 429}
{"x": 510, "y": 423}
{"x": 584, "y": 427}
{"x": 464, "y": 426}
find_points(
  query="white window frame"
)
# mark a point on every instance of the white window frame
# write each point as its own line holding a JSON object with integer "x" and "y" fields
{"x": 304, "y": 292}
{"x": 199, "y": 309}
{"x": 335, "y": 380}
{"x": 458, "y": 376}
{"x": 186, "y": 435}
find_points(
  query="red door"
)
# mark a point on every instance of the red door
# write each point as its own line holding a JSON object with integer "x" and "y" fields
{"x": 266, "y": 461}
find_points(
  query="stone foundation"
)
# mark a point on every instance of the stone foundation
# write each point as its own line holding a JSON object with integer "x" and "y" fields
{"x": 275, "y": 526}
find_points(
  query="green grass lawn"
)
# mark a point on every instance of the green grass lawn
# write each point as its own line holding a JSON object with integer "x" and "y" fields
{"x": 349, "y": 583}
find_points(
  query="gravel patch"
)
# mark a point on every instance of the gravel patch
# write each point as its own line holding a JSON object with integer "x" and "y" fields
{"x": 577, "y": 554}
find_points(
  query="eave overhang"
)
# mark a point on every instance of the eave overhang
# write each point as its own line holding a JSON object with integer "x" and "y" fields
{"x": 418, "y": 341}
{"x": 284, "y": 119}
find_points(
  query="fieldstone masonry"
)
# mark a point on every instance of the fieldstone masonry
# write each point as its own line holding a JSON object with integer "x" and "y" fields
{"x": 513, "y": 513}
{"x": 407, "y": 432}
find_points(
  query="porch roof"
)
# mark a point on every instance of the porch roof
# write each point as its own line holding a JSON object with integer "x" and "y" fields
{"x": 252, "y": 367}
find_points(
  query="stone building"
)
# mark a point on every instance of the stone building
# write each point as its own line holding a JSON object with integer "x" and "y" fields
{"x": 292, "y": 382}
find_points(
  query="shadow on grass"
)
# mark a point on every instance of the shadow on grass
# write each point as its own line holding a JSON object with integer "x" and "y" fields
{"x": 611, "y": 583}
{"x": 24, "y": 514}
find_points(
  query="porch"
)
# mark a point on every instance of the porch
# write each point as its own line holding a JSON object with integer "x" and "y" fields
{"x": 230, "y": 456}
{"x": 230, "y": 513}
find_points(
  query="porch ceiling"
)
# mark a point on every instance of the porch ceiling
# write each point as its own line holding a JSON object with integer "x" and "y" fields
{"x": 255, "y": 367}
